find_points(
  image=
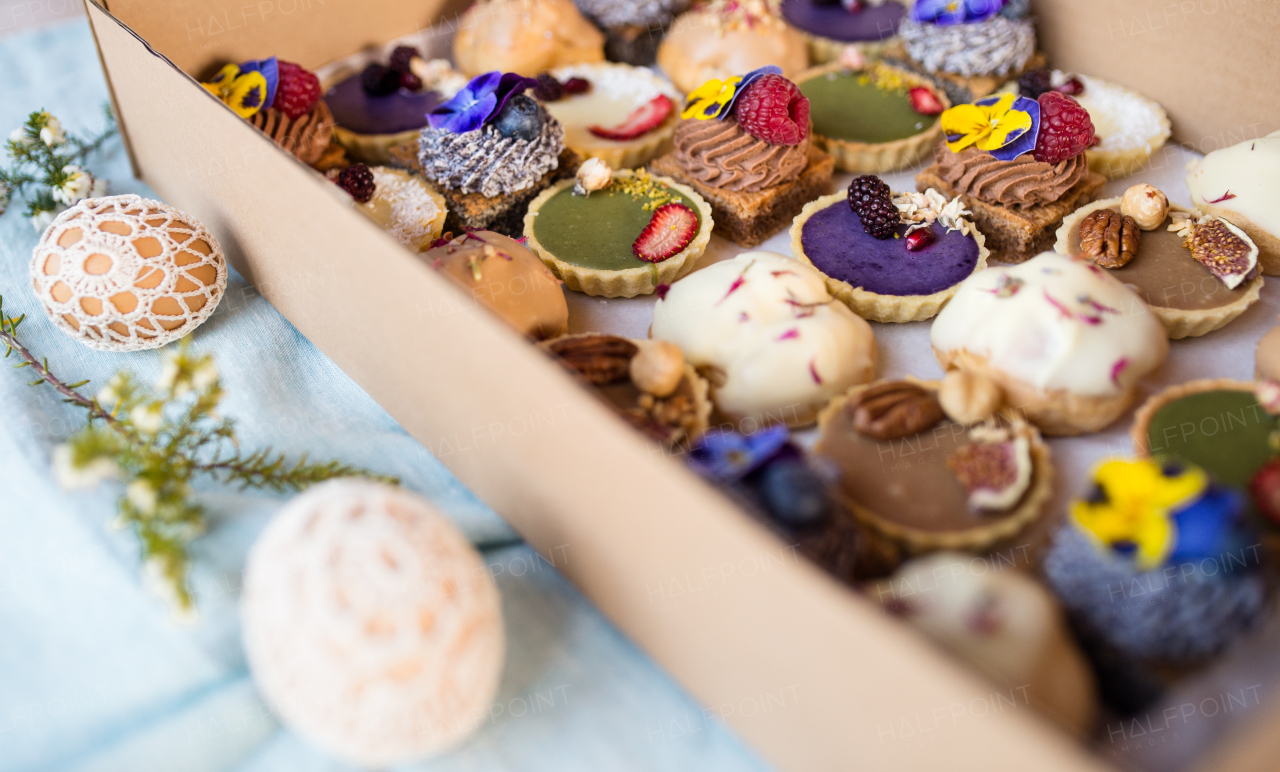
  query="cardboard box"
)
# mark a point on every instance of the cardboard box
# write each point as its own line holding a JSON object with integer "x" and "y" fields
{"x": 805, "y": 671}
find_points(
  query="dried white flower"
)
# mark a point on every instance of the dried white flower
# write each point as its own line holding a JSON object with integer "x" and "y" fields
{"x": 593, "y": 175}
{"x": 923, "y": 209}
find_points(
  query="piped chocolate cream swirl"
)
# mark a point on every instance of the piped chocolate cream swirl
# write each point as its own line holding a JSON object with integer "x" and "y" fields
{"x": 1019, "y": 183}
{"x": 306, "y": 136}
{"x": 722, "y": 155}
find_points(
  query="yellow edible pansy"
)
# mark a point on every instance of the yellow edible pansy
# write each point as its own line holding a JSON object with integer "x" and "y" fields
{"x": 987, "y": 127}
{"x": 707, "y": 100}
{"x": 1133, "y": 503}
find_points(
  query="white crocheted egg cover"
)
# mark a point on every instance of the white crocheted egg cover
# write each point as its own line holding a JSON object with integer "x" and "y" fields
{"x": 371, "y": 624}
{"x": 125, "y": 273}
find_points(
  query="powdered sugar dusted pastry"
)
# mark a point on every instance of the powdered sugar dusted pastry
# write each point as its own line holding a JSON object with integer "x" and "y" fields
{"x": 371, "y": 624}
{"x": 1066, "y": 341}
{"x": 406, "y": 206}
{"x": 1241, "y": 183}
{"x": 773, "y": 342}
{"x": 524, "y": 36}
{"x": 1003, "y": 623}
{"x": 724, "y": 38}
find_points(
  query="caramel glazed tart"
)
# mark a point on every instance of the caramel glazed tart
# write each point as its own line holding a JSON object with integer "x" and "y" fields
{"x": 976, "y": 539}
{"x": 1178, "y": 323}
{"x": 881, "y": 157}
{"x": 824, "y": 50}
{"x": 699, "y": 388}
{"x": 1143, "y": 415}
{"x": 628, "y": 282}
{"x": 873, "y": 306}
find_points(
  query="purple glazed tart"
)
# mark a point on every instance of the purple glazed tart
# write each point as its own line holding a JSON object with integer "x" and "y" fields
{"x": 830, "y": 25}
{"x": 378, "y": 106}
{"x": 889, "y": 257}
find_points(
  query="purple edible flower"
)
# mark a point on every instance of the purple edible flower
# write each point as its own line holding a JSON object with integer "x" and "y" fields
{"x": 1025, "y": 142}
{"x": 728, "y": 456}
{"x": 946, "y": 12}
{"x": 476, "y": 103}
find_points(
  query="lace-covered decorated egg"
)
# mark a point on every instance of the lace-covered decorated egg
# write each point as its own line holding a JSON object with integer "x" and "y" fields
{"x": 371, "y": 624}
{"x": 125, "y": 273}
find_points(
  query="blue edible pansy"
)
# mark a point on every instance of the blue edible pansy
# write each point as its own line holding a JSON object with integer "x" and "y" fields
{"x": 715, "y": 98}
{"x": 946, "y": 12}
{"x": 728, "y": 456}
{"x": 476, "y": 103}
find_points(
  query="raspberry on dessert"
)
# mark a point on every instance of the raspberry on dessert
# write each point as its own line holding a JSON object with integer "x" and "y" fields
{"x": 669, "y": 231}
{"x": 642, "y": 120}
{"x": 401, "y": 57}
{"x": 879, "y": 218}
{"x": 357, "y": 180}
{"x": 1033, "y": 83}
{"x": 377, "y": 80}
{"x": 576, "y": 86}
{"x": 548, "y": 89}
{"x": 924, "y": 101}
{"x": 867, "y": 188}
{"x": 298, "y": 92}
{"x": 1065, "y": 128}
{"x": 773, "y": 109}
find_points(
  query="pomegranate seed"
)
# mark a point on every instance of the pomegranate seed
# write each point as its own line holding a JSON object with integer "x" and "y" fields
{"x": 919, "y": 239}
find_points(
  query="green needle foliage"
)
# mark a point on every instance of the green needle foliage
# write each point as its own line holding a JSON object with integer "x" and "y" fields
{"x": 43, "y": 155}
{"x": 155, "y": 440}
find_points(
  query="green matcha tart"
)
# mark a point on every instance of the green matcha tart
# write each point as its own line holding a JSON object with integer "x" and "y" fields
{"x": 867, "y": 119}
{"x": 590, "y": 240}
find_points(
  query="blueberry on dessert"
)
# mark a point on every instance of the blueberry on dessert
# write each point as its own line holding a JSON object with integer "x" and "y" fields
{"x": 1019, "y": 165}
{"x": 490, "y": 150}
{"x": 283, "y": 100}
{"x": 890, "y": 258}
{"x": 379, "y": 105}
{"x": 745, "y": 145}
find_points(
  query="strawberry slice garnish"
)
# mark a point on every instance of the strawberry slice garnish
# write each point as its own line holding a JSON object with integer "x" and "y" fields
{"x": 642, "y": 120}
{"x": 924, "y": 101}
{"x": 669, "y": 231}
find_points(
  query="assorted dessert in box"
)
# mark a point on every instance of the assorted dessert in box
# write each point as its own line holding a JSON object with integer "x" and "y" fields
{"x": 646, "y": 152}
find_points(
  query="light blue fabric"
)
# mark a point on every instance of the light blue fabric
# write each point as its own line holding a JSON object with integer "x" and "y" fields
{"x": 94, "y": 676}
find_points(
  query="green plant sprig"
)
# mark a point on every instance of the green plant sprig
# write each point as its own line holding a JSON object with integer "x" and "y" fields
{"x": 155, "y": 441}
{"x": 41, "y": 154}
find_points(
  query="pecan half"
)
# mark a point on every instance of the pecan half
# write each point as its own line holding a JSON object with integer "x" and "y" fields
{"x": 601, "y": 359}
{"x": 1109, "y": 237}
{"x": 894, "y": 409}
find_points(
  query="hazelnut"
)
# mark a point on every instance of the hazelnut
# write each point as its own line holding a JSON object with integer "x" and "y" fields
{"x": 968, "y": 398}
{"x": 1146, "y": 205}
{"x": 593, "y": 175}
{"x": 658, "y": 368}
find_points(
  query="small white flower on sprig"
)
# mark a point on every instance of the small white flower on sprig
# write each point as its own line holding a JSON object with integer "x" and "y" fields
{"x": 79, "y": 185}
{"x": 51, "y": 132}
{"x": 73, "y": 473}
{"x": 47, "y": 167}
{"x": 43, "y": 218}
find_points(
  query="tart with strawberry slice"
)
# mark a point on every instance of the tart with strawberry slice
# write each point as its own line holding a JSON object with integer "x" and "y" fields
{"x": 618, "y": 234}
{"x": 621, "y": 114}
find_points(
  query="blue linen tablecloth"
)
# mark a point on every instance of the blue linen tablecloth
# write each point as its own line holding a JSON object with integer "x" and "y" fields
{"x": 95, "y": 676}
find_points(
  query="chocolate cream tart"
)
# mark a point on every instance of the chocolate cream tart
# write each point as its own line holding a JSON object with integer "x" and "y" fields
{"x": 1188, "y": 299}
{"x": 903, "y": 487}
{"x": 881, "y": 279}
